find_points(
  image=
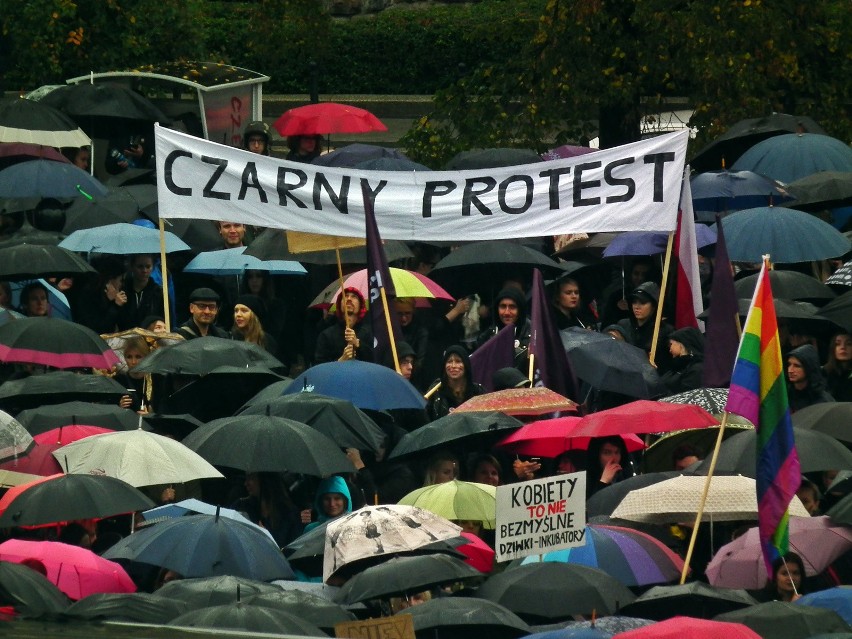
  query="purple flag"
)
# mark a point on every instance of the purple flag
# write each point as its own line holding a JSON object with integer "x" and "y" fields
{"x": 385, "y": 329}
{"x": 551, "y": 366}
{"x": 498, "y": 352}
{"x": 722, "y": 321}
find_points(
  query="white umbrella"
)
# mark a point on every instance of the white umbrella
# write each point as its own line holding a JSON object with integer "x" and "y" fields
{"x": 137, "y": 457}
{"x": 730, "y": 498}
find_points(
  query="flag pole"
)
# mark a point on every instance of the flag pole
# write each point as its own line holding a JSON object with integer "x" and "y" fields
{"x": 531, "y": 372}
{"x": 659, "y": 317}
{"x": 432, "y": 391}
{"x": 390, "y": 329}
{"x": 165, "y": 273}
{"x": 703, "y": 501}
{"x": 340, "y": 297}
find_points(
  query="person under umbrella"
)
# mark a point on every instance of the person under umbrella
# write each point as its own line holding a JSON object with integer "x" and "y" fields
{"x": 511, "y": 310}
{"x": 270, "y": 505}
{"x": 786, "y": 582}
{"x": 144, "y": 295}
{"x": 607, "y": 462}
{"x": 455, "y": 386}
{"x": 33, "y": 301}
{"x": 203, "y": 306}
{"x": 349, "y": 337}
{"x": 569, "y": 305}
{"x": 639, "y": 327}
{"x": 304, "y": 148}
{"x": 805, "y": 382}
{"x": 141, "y": 385}
{"x": 332, "y": 500}
{"x": 838, "y": 366}
{"x": 248, "y": 312}
{"x": 684, "y": 371}
{"x": 100, "y": 305}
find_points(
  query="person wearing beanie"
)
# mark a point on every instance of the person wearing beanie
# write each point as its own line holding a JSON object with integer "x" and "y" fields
{"x": 455, "y": 386}
{"x": 349, "y": 337}
{"x": 204, "y": 307}
{"x": 406, "y": 356}
{"x": 249, "y": 311}
{"x": 683, "y": 372}
{"x": 639, "y": 327}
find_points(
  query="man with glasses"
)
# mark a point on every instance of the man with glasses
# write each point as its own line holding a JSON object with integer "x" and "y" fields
{"x": 203, "y": 306}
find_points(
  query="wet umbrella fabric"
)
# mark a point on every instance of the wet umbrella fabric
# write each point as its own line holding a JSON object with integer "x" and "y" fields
{"x": 788, "y": 236}
{"x": 680, "y": 627}
{"x": 24, "y": 150}
{"x": 40, "y": 460}
{"x": 247, "y": 617}
{"x": 839, "y": 311}
{"x": 202, "y": 592}
{"x": 194, "y": 506}
{"x": 14, "y": 438}
{"x": 54, "y": 342}
{"x": 142, "y": 607}
{"x": 368, "y": 386}
{"x": 531, "y": 590}
{"x": 23, "y": 120}
{"x": 781, "y": 620}
{"x": 791, "y": 157}
{"x": 842, "y": 276}
{"x": 327, "y": 117}
{"x": 103, "y": 100}
{"x": 31, "y": 261}
{"x": 312, "y": 608}
{"x": 631, "y": 556}
{"x": 455, "y": 427}
{"x": 606, "y": 500}
{"x": 68, "y": 497}
{"x": 122, "y": 239}
{"x": 235, "y": 261}
{"x": 405, "y": 575}
{"x": 353, "y": 154}
{"x": 339, "y": 419}
{"x": 829, "y": 418}
{"x": 491, "y": 158}
{"x": 78, "y": 572}
{"x": 658, "y": 456}
{"x": 45, "y": 178}
{"x": 203, "y": 546}
{"x": 263, "y": 443}
{"x": 32, "y": 594}
{"x": 838, "y": 599}
{"x": 457, "y": 500}
{"x": 817, "y": 540}
{"x": 610, "y": 364}
{"x": 790, "y": 285}
{"x": 649, "y": 243}
{"x": 552, "y": 437}
{"x": 59, "y": 387}
{"x": 727, "y": 191}
{"x": 271, "y": 244}
{"x": 201, "y": 355}
{"x": 457, "y": 617}
{"x": 820, "y": 191}
{"x": 538, "y": 400}
{"x": 44, "y": 418}
{"x": 693, "y": 599}
{"x": 710, "y": 399}
{"x": 644, "y": 416}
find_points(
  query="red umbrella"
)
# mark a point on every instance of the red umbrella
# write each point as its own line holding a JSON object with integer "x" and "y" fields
{"x": 644, "y": 416}
{"x": 552, "y": 437}
{"x": 40, "y": 460}
{"x": 520, "y": 401}
{"x": 327, "y": 117}
{"x": 78, "y": 572}
{"x": 679, "y": 627}
{"x": 479, "y": 554}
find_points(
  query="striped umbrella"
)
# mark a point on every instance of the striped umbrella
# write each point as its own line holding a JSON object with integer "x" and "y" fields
{"x": 632, "y": 557}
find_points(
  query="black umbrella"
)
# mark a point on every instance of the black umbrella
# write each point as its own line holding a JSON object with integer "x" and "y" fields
{"x": 455, "y": 428}
{"x": 201, "y": 355}
{"x": 50, "y": 341}
{"x": 405, "y": 576}
{"x": 271, "y": 244}
{"x": 268, "y": 394}
{"x": 337, "y": 418}
{"x": 177, "y": 426}
{"x": 202, "y": 592}
{"x": 249, "y": 618}
{"x": 115, "y": 207}
{"x": 839, "y": 311}
{"x": 30, "y": 592}
{"x": 313, "y": 609}
{"x": 103, "y": 100}
{"x": 491, "y": 158}
{"x": 743, "y": 135}
{"x": 737, "y": 455}
{"x": 548, "y": 590}
{"x": 783, "y": 620}
{"x": 610, "y": 364}
{"x": 69, "y": 497}
{"x": 790, "y": 285}
{"x": 694, "y": 599}
{"x": 841, "y": 512}
{"x": 44, "y": 418}
{"x": 32, "y": 261}
{"x": 829, "y": 418}
{"x": 465, "y": 617}
{"x": 354, "y": 154}
{"x": 257, "y": 444}
{"x": 658, "y": 456}
{"x": 606, "y": 500}
{"x": 58, "y": 387}
{"x": 23, "y": 120}
{"x": 820, "y": 191}
{"x": 141, "y": 607}
{"x": 712, "y": 400}
{"x": 220, "y": 392}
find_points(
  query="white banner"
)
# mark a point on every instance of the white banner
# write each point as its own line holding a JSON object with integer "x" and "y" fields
{"x": 635, "y": 187}
{"x": 540, "y": 515}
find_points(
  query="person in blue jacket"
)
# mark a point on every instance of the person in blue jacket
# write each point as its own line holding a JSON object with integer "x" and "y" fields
{"x": 332, "y": 500}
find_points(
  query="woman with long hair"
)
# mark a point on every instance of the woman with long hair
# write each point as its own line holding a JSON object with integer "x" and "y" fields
{"x": 455, "y": 386}
{"x": 838, "y": 366}
{"x": 247, "y": 323}
{"x": 139, "y": 385}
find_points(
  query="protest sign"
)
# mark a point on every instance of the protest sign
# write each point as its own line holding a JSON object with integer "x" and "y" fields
{"x": 396, "y": 627}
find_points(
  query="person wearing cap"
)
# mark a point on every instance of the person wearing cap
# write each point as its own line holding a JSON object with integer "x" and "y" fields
{"x": 684, "y": 370}
{"x": 406, "y": 356}
{"x": 639, "y": 327}
{"x": 349, "y": 337}
{"x": 203, "y": 306}
{"x": 249, "y": 311}
{"x": 256, "y": 137}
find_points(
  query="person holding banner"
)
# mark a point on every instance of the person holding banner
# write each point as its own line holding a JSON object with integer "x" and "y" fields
{"x": 349, "y": 337}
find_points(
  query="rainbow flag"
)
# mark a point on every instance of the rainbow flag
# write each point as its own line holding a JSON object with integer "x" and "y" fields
{"x": 759, "y": 393}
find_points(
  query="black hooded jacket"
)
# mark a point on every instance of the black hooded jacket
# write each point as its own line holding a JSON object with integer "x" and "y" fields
{"x": 443, "y": 401}
{"x": 815, "y": 390}
{"x": 684, "y": 373}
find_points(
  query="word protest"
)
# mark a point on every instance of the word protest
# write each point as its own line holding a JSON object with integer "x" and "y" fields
{"x": 634, "y": 187}
{"x": 541, "y": 515}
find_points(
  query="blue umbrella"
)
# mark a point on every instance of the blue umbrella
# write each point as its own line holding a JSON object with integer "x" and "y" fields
{"x": 205, "y": 546}
{"x": 392, "y": 164}
{"x": 790, "y": 157}
{"x": 44, "y": 178}
{"x": 59, "y": 305}
{"x": 838, "y": 599}
{"x": 234, "y": 262}
{"x": 121, "y": 239}
{"x": 728, "y": 191}
{"x": 649, "y": 243}
{"x": 353, "y": 154}
{"x": 366, "y": 385}
{"x": 788, "y": 236}
{"x": 194, "y": 507}
{"x": 571, "y": 633}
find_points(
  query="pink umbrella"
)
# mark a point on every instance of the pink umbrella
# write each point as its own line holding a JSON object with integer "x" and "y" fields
{"x": 817, "y": 540}
{"x": 644, "y": 416}
{"x": 552, "y": 437}
{"x": 78, "y": 572}
{"x": 679, "y": 627}
{"x": 479, "y": 554}
{"x": 40, "y": 459}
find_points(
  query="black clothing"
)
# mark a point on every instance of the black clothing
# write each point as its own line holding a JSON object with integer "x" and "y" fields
{"x": 642, "y": 336}
{"x": 330, "y": 343}
{"x": 189, "y": 330}
{"x": 814, "y": 392}
{"x": 148, "y": 301}
{"x": 684, "y": 373}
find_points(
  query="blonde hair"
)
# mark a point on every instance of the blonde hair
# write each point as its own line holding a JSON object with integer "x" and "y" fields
{"x": 253, "y": 332}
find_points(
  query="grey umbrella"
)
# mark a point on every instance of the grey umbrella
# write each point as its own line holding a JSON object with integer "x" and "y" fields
{"x": 31, "y": 593}
{"x": 782, "y": 620}
{"x": 244, "y": 616}
{"x": 14, "y": 438}
{"x": 202, "y": 592}
{"x": 138, "y": 606}
{"x": 694, "y": 599}
{"x": 448, "y": 618}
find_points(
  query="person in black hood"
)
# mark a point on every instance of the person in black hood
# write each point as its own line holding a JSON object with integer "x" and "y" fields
{"x": 639, "y": 328}
{"x": 511, "y": 308}
{"x": 805, "y": 381}
{"x": 455, "y": 386}
{"x": 683, "y": 372}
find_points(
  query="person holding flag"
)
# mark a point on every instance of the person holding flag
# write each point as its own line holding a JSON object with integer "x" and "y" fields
{"x": 349, "y": 337}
